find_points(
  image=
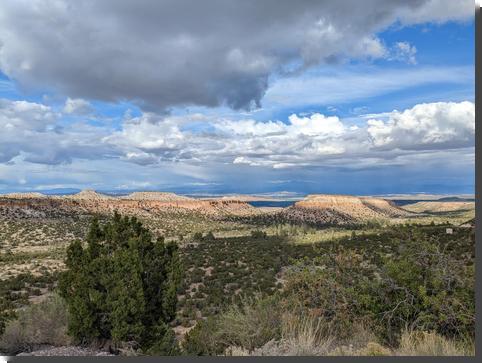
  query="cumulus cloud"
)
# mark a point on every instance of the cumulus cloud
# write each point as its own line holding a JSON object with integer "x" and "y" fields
{"x": 171, "y": 53}
{"x": 441, "y": 125}
{"x": 77, "y": 106}
{"x": 33, "y": 131}
{"x": 302, "y": 141}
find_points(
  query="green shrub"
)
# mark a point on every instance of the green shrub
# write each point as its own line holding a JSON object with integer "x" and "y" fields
{"x": 203, "y": 339}
{"x": 249, "y": 325}
{"x": 122, "y": 286}
{"x": 41, "y": 324}
{"x": 258, "y": 234}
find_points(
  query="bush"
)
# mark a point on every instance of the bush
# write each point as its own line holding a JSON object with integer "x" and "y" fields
{"x": 331, "y": 288}
{"x": 422, "y": 343}
{"x": 5, "y": 313}
{"x": 122, "y": 286}
{"x": 422, "y": 287}
{"x": 202, "y": 339}
{"x": 41, "y": 324}
{"x": 258, "y": 234}
{"x": 252, "y": 323}
{"x": 249, "y": 325}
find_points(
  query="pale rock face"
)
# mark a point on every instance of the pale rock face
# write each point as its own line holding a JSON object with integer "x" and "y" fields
{"x": 356, "y": 208}
{"x": 88, "y": 195}
{"x": 140, "y": 204}
{"x": 160, "y": 196}
{"x": 23, "y": 195}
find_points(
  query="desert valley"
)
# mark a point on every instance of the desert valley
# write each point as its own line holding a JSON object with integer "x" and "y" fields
{"x": 234, "y": 254}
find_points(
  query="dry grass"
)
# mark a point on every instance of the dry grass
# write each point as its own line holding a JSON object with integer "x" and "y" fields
{"x": 41, "y": 324}
{"x": 306, "y": 336}
{"x": 420, "y": 343}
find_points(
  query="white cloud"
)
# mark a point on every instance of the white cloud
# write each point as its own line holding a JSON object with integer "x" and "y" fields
{"x": 405, "y": 52}
{"x": 425, "y": 127}
{"x": 77, "y": 106}
{"x": 348, "y": 85}
{"x": 313, "y": 140}
{"x": 317, "y": 125}
{"x": 162, "y": 54}
{"x": 34, "y": 133}
{"x": 33, "y": 130}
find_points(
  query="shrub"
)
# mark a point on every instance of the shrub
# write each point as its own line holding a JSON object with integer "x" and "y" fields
{"x": 258, "y": 234}
{"x": 427, "y": 289}
{"x": 5, "y": 313}
{"x": 374, "y": 349}
{"x": 331, "y": 288}
{"x": 41, "y": 324}
{"x": 122, "y": 286}
{"x": 422, "y": 343}
{"x": 203, "y": 339}
{"x": 249, "y": 325}
{"x": 252, "y": 323}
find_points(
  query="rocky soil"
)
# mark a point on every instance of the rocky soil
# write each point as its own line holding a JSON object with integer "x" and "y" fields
{"x": 71, "y": 351}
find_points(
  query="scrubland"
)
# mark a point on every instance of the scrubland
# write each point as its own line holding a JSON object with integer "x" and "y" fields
{"x": 266, "y": 283}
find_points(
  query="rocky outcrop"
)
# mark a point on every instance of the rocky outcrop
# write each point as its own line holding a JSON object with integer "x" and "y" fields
{"x": 439, "y": 207}
{"x": 326, "y": 209}
{"x": 141, "y": 204}
{"x": 23, "y": 195}
{"x": 88, "y": 194}
{"x": 159, "y": 196}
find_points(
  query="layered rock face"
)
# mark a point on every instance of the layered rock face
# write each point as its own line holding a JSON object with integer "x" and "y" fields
{"x": 438, "y": 207}
{"x": 23, "y": 195}
{"x": 143, "y": 204}
{"x": 343, "y": 209}
{"x": 159, "y": 196}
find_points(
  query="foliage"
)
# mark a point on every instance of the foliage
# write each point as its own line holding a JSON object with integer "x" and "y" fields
{"x": 5, "y": 313}
{"x": 203, "y": 339}
{"x": 359, "y": 293}
{"x": 122, "y": 285}
{"x": 423, "y": 343}
{"x": 258, "y": 234}
{"x": 250, "y": 324}
{"x": 41, "y": 324}
{"x": 332, "y": 287}
{"x": 423, "y": 286}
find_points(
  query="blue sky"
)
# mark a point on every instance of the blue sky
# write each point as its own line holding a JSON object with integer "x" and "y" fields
{"x": 378, "y": 106}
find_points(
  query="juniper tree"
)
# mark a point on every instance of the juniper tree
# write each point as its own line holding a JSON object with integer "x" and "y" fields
{"x": 122, "y": 285}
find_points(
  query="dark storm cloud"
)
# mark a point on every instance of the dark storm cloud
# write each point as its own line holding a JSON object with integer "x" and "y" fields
{"x": 161, "y": 54}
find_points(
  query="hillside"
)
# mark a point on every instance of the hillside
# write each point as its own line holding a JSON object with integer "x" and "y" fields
{"x": 439, "y": 206}
{"x": 23, "y": 195}
{"x": 141, "y": 204}
{"x": 343, "y": 209}
{"x": 87, "y": 194}
{"x": 160, "y": 196}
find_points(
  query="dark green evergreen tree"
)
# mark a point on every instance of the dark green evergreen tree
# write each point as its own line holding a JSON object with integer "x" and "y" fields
{"x": 122, "y": 286}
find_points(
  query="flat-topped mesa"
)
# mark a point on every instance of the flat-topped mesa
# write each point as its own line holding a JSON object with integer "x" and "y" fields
{"x": 88, "y": 194}
{"x": 358, "y": 208}
{"x": 30, "y": 195}
{"x": 159, "y": 196}
{"x": 439, "y": 207}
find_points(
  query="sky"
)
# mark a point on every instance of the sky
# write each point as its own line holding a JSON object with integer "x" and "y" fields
{"x": 224, "y": 96}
